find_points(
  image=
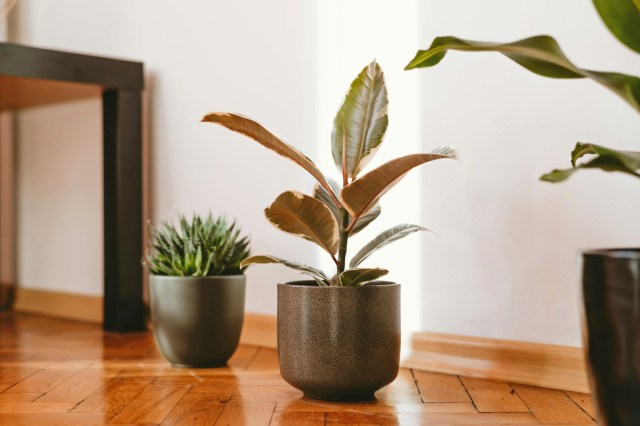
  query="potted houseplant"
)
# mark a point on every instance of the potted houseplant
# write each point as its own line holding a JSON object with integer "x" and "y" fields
{"x": 610, "y": 277}
{"x": 339, "y": 334}
{"x": 197, "y": 290}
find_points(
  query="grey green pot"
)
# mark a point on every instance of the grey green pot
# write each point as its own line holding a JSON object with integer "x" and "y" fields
{"x": 339, "y": 343}
{"x": 197, "y": 320}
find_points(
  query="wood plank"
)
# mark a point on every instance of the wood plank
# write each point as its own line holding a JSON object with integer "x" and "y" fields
{"x": 490, "y": 396}
{"x": 112, "y": 397}
{"x": 44, "y": 380}
{"x": 151, "y": 405}
{"x": 436, "y": 387}
{"x": 19, "y": 397}
{"x": 246, "y": 413}
{"x": 242, "y": 357}
{"x": 196, "y": 409}
{"x": 79, "y": 386}
{"x": 311, "y": 405}
{"x": 52, "y": 419}
{"x": 36, "y": 407}
{"x": 265, "y": 360}
{"x": 298, "y": 419}
{"x": 260, "y": 330}
{"x": 584, "y": 401}
{"x": 553, "y": 366}
{"x": 551, "y": 406}
{"x": 493, "y": 419}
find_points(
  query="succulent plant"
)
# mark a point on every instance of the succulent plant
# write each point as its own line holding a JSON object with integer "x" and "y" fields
{"x": 197, "y": 248}
{"x": 336, "y": 212}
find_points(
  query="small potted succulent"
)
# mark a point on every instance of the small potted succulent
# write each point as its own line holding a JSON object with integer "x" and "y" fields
{"x": 197, "y": 290}
{"x": 339, "y": 334}
{"x": 610, "y": 277}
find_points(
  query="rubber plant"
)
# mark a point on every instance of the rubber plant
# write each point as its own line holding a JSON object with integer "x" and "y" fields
{"x": 543, "y": 56}
{"x": 334, "y": 212}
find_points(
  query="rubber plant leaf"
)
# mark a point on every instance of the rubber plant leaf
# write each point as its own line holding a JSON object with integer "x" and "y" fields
{"x": 606, "y": 159}
{"x": 256, "y": 131}
{"x": 622, "y": 17}
{"x": 358, "y": 277}
{"x": 541, "y": 55}
{"x": 304, "y": 216}
{"x": 361, "y": 122}
{"x": 363, "y": 193}
{"x": 386, "y": 237}
{"x": 316, "y": 274}
{"x": 321, "y": 194}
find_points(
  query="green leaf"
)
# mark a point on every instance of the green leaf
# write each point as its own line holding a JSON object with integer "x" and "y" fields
{"x": 387, "y": 237}
{"x": 541, "y": 55}
{"x": 321, "y": 194}
{"x": 264, "y": 137}
{"x": 366, "y": 219}
{"x": 362, "y": 194}
{"x": 316, "y": 274}
{"x": 306, "y": 217}
{"x": 622, "y": 17}
{"x": 606, "y": 159}
{"x": 359, "y": 276}
{"x": 362, "y": 120}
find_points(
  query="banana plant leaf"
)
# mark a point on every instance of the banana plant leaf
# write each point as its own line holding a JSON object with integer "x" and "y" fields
{"x": 306, "y": 217}
{"x": 314, "y": 273}
{"x": 606, "y": 159}
{"x": 383, "y": 239}
{"x": 256, "y": 131}
{"x": 622, "y": 17}
{"x": 541, "y": 55}
{"x": 361, "y": 122}
{"x": 360, "y": 276}
{"x": 363, "y": 193}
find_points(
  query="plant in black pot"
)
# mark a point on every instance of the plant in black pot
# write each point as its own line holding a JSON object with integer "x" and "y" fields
{"x": 339, "y": 333}
{"x": 197, "y": 290}
{"x": 610, "y": 277}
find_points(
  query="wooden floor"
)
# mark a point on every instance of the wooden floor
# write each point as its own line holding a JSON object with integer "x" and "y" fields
{"x": 56, "y": 372}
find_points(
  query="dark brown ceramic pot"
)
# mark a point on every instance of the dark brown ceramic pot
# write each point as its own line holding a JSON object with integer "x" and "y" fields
{"x": 197, "y": 320}
{"x": 339, "y": 343}
{"x": 611, "y": 330}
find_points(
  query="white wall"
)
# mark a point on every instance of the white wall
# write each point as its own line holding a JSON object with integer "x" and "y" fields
{"x": 504, "y": 263}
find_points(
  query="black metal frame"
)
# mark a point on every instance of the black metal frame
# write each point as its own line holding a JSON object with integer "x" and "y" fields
{"x": 121, "y": 83}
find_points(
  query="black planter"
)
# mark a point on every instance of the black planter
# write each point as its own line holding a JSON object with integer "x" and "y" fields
{"x": 339, "y": 343}
{"x": 611, "y": 330}
{"x": 197, "y": 320}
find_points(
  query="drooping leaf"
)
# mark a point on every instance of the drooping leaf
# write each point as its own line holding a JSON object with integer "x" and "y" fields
{"x": 622, "y": 17}
{"x": 541, "y": 55}
{"x": 606, "y": 159}
{"x": 256, "y": 131}
{"x": 359, "y": 276}
{"x": 386, "y": 237}
{"x": 321, "y": 194}
{"x": 361, "y": 121}
{"x": 316, "y": 274}
{"x": 364, "y": 220}
{"x": 306, "y": 217}
{"x": 363, "y": 193}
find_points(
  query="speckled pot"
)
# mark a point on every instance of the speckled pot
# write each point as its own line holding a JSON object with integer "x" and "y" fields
{"x": 339, "y": 343}
{"x": 197, "y": 320}
{"x": 611, "y": 333}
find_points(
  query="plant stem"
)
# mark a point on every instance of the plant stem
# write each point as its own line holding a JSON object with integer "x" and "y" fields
{"x": 344, "y": 238}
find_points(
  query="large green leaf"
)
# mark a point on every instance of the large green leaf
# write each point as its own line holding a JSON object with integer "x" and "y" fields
{"x": 256, "y": 131}
{"x": 623, "y": 19}
{"x": 606, "y": 159}
{"x": 360, "y": 276}
{"x": 387, "y": 237}
{"x": 306, "y": 217}
{"x": 316, "y": 274}
{"x": 362, "y": 120}
{"x": 363, "y": 193}
{"x": 321, "y": 194}
{"x": 541, "y": 55}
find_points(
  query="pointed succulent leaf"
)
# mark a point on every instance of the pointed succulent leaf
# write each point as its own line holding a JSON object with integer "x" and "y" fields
{"x": 306, "y": 217}
{"x": 606, "y": 159}
{"x": 363, "y": 193}
{"x": 386, "y": 237}
{"x": 362, "y": 121}
{"x": 316, "y": 274}
{"x": 541, "y": 55}
{"x": 359, "y": 276}
{"x": 256, "y": 131}
{"x": 622, "y": 17}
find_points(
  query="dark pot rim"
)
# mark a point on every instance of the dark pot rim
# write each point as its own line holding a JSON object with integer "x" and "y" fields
{"x": 313, "y": 284}
{"x": 207, "y": 278}
{"x": 616, "y": 253}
